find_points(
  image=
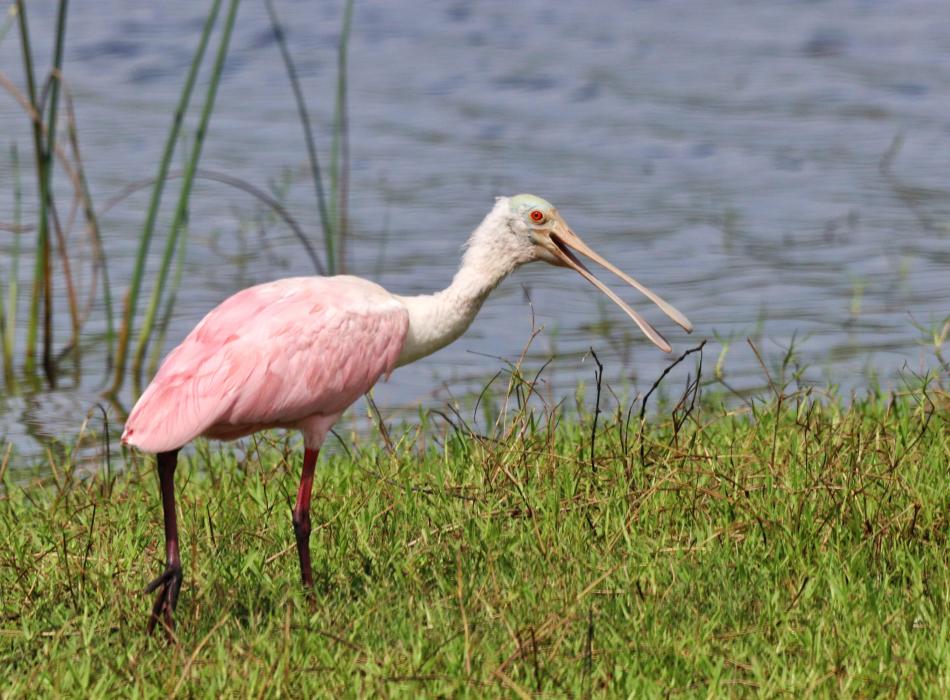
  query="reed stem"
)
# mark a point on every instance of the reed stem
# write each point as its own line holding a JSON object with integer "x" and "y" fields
{"x": 95, "y": 234}
{"x": 46, "y": 205}
{"x": 340, "y": 145}
{"x": 181, "y": 210}
{"x": 9, "y": 334}
{"x": 326, "y": 221}
{"x": 237, "y": 183}
{"x": 29, "y": 363}
{"x": 165, "y": 321}
{"x": 131, "y": 300}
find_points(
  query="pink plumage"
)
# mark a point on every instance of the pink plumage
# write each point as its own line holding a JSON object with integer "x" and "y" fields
{"x": 294, "y": 353}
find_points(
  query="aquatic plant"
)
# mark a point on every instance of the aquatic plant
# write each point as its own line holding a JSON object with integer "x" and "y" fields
{"x": 127, "y": 340}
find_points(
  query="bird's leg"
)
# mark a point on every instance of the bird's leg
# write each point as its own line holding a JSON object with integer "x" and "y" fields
{"x": 169, "y": 583}
{"x": 301, "y": 515}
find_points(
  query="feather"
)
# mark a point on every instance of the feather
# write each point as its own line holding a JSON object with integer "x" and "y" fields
{"x": 291, "y": 353}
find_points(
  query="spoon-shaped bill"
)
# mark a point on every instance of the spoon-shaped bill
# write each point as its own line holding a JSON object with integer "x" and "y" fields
{"x": 566, "y": 237}
{"x": 570, "y": 260}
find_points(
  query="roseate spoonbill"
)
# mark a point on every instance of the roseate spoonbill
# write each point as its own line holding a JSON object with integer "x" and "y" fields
{"x": 297, "y": 352}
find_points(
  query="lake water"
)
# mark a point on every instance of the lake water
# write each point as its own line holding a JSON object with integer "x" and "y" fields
{"x": 728, "y": 154}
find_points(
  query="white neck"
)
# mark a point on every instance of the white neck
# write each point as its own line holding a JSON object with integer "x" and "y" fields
{"x": 435, "y": 320}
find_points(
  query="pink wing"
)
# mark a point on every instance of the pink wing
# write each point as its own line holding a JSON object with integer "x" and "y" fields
{"x": 272, "y": 355}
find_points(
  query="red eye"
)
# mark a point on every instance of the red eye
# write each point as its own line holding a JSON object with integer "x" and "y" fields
{"x": 537, "y": 216}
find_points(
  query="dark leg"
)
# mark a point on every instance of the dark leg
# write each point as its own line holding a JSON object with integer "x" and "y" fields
{"x": 169, "y": 583}
{"x": 301, "y": 516}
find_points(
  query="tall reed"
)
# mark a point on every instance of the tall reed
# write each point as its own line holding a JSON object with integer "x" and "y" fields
{"x": 95, "y": 235}
{"x": 326, "y": 221}
{"x": 332, "y": 207}
{"x": 340, "y": 146}
{"x": 9, "y": 321}
{"x": 181, "y": 211}
{"x": 54, "y": 81}
{"x": 43, "y": 153}
{"x": 169, "y": 302}
{"x": 42, "y": 237}
{"x": 41, "y": 100}
{"x": 138, "y": 272}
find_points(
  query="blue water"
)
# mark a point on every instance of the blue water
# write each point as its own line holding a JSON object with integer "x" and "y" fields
{"x": 727, "y": 154}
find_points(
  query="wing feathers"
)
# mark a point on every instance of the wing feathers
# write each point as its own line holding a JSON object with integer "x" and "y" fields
{"x": 274, "y": 354}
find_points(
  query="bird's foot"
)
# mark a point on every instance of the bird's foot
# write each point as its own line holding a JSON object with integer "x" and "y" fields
{"x": 168, "y": 585}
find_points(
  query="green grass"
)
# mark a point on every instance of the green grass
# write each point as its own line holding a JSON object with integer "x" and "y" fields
{"x": 799, "y": 548}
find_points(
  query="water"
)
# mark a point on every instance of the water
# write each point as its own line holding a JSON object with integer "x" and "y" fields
{"x": 728, "y": 155}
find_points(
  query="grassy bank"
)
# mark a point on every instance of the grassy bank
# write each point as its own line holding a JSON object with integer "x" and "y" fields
{"x": 795, "y": 546}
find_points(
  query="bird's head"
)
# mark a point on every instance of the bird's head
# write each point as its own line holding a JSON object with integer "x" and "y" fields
{"x": 546, "y": 236}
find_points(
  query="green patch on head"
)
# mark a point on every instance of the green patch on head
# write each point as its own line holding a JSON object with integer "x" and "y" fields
{"x": 523, "y": 202}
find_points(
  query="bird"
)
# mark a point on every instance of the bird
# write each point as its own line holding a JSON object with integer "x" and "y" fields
{"x": 297, "y": 352}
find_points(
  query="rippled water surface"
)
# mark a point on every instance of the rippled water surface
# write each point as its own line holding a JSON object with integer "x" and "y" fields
{"x": 731, "y": 155}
